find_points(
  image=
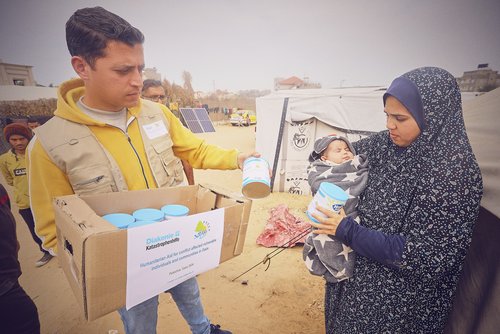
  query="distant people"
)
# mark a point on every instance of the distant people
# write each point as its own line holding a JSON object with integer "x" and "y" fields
{"x": 33, "y": 123}
{"x": 13, "y": 168}
{"x": 152, "y": 90}
{"x": 18, "y": 313}
{"x": 417, "y": 213}
{"x": 130, "y": 144}
{"x": 333, "y": 161}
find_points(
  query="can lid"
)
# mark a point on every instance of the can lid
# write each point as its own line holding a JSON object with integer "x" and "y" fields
{"x": 175, "y": 210}
{"x": 256, "y": 190}
{"x": 120, "y": 220}
{"x": 250, "y": 159}
{"x": 149, "y": 214}
{"x": 141, "y": 223}
{"x": 333, "y": 191}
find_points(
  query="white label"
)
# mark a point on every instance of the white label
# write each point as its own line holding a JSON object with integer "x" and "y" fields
{"x": 255, "y": 170}
{"x": 165, "y": 254}
{"x": 325, "y": 202}
{"x": 155, "y": 130}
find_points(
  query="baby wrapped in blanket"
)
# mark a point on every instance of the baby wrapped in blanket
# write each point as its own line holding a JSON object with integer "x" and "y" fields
{"x": 334, "y": 160}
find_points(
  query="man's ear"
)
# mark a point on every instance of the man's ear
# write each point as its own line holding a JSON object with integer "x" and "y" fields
{"x": 323, "y": 158}
{"x": 81, "y": 67}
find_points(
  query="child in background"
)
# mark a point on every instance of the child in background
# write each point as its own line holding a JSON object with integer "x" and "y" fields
{"x": 334, "y": 160}
{"x": 13, "y": 168}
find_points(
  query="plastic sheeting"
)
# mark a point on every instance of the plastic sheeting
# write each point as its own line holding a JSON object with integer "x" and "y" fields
{"x": 477, "y": 300}
{"x": 482, "y": 121}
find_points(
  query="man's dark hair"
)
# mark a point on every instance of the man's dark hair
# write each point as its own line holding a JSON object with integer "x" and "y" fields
{"x": 89, "y": 30}
{"x": 150, "y": 83}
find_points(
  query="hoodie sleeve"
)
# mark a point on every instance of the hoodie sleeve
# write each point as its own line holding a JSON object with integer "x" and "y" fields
{"x": 196, "y": 151}
{"x": 5, "y": 170}
{"x": 46, "y": 181}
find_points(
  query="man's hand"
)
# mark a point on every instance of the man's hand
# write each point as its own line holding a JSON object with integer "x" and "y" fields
{"x": 243, "y": 156}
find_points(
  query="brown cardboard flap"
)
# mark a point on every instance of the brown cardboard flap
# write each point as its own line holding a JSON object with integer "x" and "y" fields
{"x": 152, "y": 198}
{"x": 240, "y": 242}
{"x": 225, "y": 192}
{"x": 106, "y": 272}
{"x": 232, "y": 217}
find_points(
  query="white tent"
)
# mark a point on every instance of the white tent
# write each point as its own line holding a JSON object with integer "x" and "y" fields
{"x": 477, "y": 301}
{"x": 18, "y": 93}
{"x": 310, "y": 114}
{"x": 482, "y": 120}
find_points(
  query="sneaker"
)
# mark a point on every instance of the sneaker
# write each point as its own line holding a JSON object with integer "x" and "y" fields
{"x": 44, "y": 260}
{"x": 215, "y": 329}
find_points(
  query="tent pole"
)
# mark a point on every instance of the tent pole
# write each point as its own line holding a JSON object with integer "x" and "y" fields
{"x": 278, "y": 144}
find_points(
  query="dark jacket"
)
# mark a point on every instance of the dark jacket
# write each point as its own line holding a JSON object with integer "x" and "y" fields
{"x": 9, "y": 265}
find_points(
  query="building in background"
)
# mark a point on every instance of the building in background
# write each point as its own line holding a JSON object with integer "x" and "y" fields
{"x": 294, "y": 83}
{"x": 483, "y": 79}
{"x": 14, "y": 74}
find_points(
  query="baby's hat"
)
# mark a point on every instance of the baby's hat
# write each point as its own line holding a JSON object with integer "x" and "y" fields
{"x": 322, "y": 143}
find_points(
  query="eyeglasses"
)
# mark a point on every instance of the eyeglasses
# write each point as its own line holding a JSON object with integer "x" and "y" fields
{"x": 154, "y": 98}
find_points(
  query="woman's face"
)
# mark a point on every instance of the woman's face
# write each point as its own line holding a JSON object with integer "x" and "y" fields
{"x": 403, "y": 129}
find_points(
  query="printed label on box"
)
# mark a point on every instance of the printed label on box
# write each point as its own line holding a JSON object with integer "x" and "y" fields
{"x": 165, "y": 254}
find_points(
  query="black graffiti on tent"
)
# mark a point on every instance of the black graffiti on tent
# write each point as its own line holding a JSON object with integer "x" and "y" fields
{"x": 296, "y": 188}
{"x": 301, "y": 137}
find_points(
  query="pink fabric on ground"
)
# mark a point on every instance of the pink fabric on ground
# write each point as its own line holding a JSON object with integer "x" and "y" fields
{"x": 281, "y": 227}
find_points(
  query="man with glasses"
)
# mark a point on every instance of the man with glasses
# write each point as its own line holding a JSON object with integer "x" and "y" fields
{"x": 152, "y": 90}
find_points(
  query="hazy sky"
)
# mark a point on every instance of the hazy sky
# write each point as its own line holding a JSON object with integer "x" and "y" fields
{"x": 236, "y": 44}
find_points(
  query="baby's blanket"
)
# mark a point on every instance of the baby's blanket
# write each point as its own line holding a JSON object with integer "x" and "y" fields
{"x": 325, "y": 255}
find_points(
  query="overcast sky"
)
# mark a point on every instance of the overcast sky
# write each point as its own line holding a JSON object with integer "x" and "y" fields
{"x": 236, "y": 44}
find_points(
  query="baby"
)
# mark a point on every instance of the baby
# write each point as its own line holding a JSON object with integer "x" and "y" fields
{"x": 334, "y": 160}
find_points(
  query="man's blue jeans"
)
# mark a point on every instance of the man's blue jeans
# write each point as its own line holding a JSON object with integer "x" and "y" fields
{"x": 142, "y": 318}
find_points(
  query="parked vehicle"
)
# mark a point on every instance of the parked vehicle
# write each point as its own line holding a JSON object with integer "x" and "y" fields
{"x": 243, "y": 118}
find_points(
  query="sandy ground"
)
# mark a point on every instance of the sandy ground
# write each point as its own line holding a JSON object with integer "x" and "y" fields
{"x": 284, "y": 299}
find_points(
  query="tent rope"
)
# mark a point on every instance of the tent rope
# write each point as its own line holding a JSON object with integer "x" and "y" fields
{"x": 279, "y": 249}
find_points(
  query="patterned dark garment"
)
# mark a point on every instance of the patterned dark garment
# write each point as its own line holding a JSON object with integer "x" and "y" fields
{"x": 429, "y": 193}
{"x": 325, "y": 255}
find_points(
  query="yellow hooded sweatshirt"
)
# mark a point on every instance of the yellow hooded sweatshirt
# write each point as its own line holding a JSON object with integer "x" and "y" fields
{"x": 13, "y": 168}
{"x": 47, "y": 181}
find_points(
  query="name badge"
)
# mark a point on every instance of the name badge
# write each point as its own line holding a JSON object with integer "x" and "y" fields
{"x": 20, "y": 171}
{"x": 155, "y": 130}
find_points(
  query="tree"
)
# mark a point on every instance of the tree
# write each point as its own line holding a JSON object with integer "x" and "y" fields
{"x": 186, "y": 76}
{"x": 168, "y": 90}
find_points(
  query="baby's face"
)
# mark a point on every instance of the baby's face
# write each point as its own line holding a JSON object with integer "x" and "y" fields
{"x": 337, "y": 152}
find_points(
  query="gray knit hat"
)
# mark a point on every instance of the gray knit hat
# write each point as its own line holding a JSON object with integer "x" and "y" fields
{"x": 322, "y": 143}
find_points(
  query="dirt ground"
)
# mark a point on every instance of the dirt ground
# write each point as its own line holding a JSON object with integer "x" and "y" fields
{"x": 284, "y": 299}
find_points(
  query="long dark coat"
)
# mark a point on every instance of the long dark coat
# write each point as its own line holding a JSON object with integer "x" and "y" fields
{"x": 429, "y": 193}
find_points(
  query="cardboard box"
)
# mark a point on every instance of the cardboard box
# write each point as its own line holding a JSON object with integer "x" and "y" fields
{"x": 93, "y": 253}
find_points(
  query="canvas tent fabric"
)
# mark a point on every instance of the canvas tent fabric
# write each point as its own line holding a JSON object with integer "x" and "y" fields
{"x": 18, "y": 93}
{"x": 482, "y": 121}
{"x": 357, "y": 110}
{"x": 477, "y": 300}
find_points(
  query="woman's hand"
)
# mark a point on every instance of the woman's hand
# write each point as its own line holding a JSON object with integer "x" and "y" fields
{"x": 328, "y": 224}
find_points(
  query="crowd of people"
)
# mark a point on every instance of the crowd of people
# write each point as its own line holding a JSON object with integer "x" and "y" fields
{"x": 415, "y": 188}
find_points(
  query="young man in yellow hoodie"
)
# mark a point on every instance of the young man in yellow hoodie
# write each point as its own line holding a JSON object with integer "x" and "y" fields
{"x": 13, "y": 168}
{"x": 104, "y": 138}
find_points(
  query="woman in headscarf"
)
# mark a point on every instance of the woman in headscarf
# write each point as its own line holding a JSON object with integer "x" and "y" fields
{"x": 417, "y": 213}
